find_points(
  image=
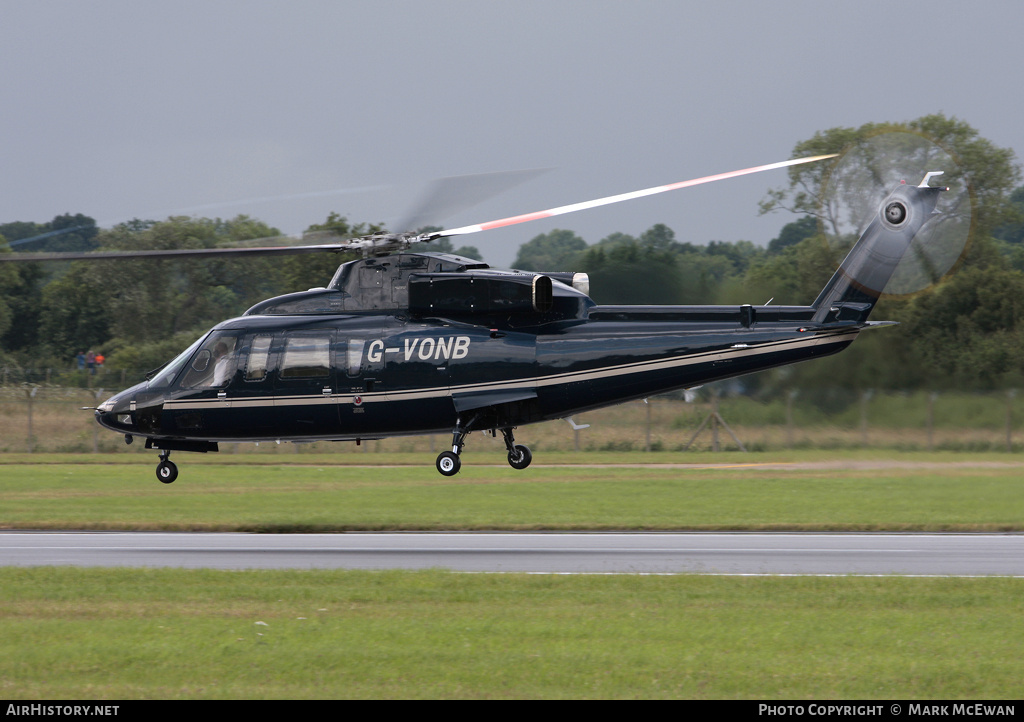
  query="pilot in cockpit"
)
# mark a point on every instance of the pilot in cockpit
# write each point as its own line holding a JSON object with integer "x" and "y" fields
{"x": 221, "y": 365}
{"x": 213, "y": 366}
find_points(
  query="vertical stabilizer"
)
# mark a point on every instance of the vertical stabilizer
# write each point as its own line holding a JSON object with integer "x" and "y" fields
{"x": 855, "y": 288}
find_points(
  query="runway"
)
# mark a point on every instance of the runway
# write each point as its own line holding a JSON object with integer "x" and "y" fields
{"x": 553, "y": 553}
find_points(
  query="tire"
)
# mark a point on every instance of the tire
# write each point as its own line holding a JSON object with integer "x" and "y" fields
{"x": 166, "y": 471}
{"x": 520, "y": 457}
{"x": 448, "y": 463}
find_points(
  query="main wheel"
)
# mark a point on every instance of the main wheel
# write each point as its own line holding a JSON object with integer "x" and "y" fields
{"x": 166, "y": 471}
{"x": 520, "y": 457}
{"x": 448, "y": 463}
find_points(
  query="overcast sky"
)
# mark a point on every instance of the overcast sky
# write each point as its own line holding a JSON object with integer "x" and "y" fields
{"x": 289, "y": 110}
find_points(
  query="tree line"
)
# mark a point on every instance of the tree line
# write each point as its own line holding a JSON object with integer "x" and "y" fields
{"x": 965, "y": 331}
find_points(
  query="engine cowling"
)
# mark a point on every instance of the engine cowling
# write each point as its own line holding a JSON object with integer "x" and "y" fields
{"x": 495, "y": 298}
{"x": 478, "y": 294}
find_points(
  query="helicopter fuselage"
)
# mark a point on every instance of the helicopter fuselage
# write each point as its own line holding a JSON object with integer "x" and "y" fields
{"x": 365, "y": 376}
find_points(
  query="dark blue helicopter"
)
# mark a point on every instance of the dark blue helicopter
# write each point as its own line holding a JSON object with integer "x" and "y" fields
{"x": 408, "y": 343}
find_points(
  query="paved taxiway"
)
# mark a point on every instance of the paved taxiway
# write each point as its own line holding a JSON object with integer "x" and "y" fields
{"x": 714, "y": 553}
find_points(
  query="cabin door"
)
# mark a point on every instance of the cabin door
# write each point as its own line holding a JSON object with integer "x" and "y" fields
{"x": 306, "y": 384}
{"x": 361, "y": 398}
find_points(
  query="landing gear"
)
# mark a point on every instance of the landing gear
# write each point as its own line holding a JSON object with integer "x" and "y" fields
{"x": 519, "y": 456}
{"x": 166, "y": 470}
{"x": 448, "y": 462}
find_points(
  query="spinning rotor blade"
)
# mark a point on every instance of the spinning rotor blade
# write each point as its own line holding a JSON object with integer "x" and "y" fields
{"x": 173, "y": 253}
{"x": 561, "y": 210}
{"x": 446, "y": 196}
{"x": 381, "y": 243}
{"x": 442, "y": 198}
{"x": 865, "y": 174}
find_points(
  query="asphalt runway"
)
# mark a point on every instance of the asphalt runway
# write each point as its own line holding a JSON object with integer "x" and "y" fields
{"x": 553, "y": 553}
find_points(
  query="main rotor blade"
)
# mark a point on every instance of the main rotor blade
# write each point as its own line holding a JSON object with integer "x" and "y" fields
{"x": 386, "y": 242}
{"x": 561, "y": 210}
{"x": 446, "y": 196}
{"x": 171, "y": 253}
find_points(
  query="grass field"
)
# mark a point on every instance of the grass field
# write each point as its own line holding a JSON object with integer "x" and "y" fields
{"x": 202, "y": 634}
{"x": 797, "y": 490}
{"x": 167, "y": 634}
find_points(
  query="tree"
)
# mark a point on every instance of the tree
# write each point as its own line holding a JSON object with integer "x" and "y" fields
{"x": 75, "y": 313}
{"x": 64, "y": 234}
{"x": 659, "y": 237}
{"x": 469, "y": 252}
{"x": 792, "y": 233}
{"x": 967, "y": 329}
{"x": 557, "y": 250}
{"x": 9, "y": 286}
{"x": 633, "y": 273}
{"x": 793, "y": 276}
{"x": 19, "y": 302}
{"x": 444, "y": 245}
{"x": 1013, "y": 231}
{"x": 151, "y": 299}
{"x": 815, "y": 190}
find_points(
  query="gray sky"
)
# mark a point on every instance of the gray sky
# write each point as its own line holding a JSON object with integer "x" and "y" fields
{"x": 121, "y": 109}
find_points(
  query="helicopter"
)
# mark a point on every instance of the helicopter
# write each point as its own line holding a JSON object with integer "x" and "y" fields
{"x": 408, "y": 342}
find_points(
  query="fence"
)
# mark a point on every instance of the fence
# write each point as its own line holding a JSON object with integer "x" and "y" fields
{"x": 47, "y": 419}
{"x": 99, "y": 377}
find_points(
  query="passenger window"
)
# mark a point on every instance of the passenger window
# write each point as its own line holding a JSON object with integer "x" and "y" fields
{"x": 306, "y": 357}
{"x": 256, "y": 366}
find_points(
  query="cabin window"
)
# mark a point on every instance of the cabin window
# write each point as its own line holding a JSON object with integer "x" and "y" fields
{"x": 354, "y": 356}
{"x": 259, "y": 354}
{"x": 306, "y": 357}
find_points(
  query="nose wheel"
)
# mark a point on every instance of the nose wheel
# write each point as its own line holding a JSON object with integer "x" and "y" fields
{"x": 166, "y": 470}
{"x": 448, "y": 463}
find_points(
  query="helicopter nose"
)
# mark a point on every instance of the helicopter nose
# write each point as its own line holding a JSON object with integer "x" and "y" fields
{"x": 114, "y": 413}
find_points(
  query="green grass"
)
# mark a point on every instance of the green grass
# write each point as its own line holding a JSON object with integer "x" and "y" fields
{"x": 109, "y": 634}
{"x": 165, "y": 634}
{"x": 231, "y": 494}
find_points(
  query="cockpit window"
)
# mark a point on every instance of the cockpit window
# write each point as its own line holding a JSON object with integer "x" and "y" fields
{"x": 170, "y": 371}
{"x": 215, "y": 362}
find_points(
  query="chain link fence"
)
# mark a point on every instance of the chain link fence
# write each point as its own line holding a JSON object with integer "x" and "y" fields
{"x": 40, "y": 418}
{"x": 97, "y": 377}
